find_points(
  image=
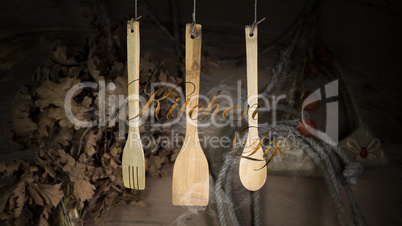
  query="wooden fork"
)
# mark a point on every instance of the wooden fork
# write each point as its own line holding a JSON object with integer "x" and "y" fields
{"x": 133, "y": 162}
{"x": 251, "y": 172}
{"x": 190, "y": 186}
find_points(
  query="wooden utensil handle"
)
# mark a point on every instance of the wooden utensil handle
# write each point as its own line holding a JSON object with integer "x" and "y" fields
{"x": 133, "y": 65}
{"x": 252, "y": 78}
{"x": 193, "y": 65}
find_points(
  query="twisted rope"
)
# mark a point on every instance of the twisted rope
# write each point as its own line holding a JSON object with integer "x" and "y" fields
{"x": 256, "y": 207}
{"x": 219, "y": 197}
{"x": 330, "y": 166}
{"x": 332, "y": 160}
{"x": 234, "y": 213}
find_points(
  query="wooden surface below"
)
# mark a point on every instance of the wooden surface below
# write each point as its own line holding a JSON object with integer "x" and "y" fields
{"x": 285, "y": 201}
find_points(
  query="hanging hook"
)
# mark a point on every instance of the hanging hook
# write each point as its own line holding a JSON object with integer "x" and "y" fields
{"x": 255, "y": 23}
{"x": 193, "y": 35}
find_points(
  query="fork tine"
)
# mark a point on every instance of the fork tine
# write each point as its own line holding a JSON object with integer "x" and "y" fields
{"x": 129, "y": 177}
{"x": 133, "y": 176}
{"x": 138, "y": 184}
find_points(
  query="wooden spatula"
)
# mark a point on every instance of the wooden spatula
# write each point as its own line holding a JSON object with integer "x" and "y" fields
{"x": 251, "y": 175}
{"x": 190, "y": 185}
{"x": 133, "y": 162}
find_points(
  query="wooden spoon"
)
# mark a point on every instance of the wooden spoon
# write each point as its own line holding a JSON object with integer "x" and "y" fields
{"x": 190, "y": 186}
{"x": 251, "y": 175}
{"x": 133, "y": 161}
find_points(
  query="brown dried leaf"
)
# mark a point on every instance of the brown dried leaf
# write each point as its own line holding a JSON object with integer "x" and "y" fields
{"x": 113, "y": 89}
{"x": 54, "y": 93}
{"x": 108, "y": 161}
{"x": 8, "y": 168}
{"x": 174, "y": 155}
{"x": 115, "y": 150}
{"x": 83, "y": 190}
{"x": 51, "y": 194}
{"x": 75, "y": 170}
{"x": 22, "y": 125}
{"x": 63, "y": 137}
{"x": 6, "y": 192}
{"x": 109, "y": 199}
{"x": 44, "y": 124}
{"x": 117, "y": 176}
{"x": 92, "y": 140}
{"x": 147, "y": 68}
{"x": 154, "y": 165}
{"x": 209, "y": 62}
{"x": 70, "y": 160}
{"x": 117, "y": 70}
{"x": 46, "y": 164}
{"x": 163, "y": 76}
{"x": 23, "y": 219}
{"x": 58, "y": 52}
{"x": 43, "y": 219}
{"x": 121, "y": 86}
{"x": 74, "y": 71}
{"x": 62, "y": 155}
{"x": 33, "y": 193}
{"x": 98, "y": 173}
{"x": 19, "y": 197}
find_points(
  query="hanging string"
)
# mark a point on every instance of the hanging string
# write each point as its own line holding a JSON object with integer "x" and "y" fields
{"x": 255, "y": 23}
{"x": 135, "y": 10}
{"x": 194, "y": 8}
{"x": 193, "y": 23}
{"x": 136, "y": 18}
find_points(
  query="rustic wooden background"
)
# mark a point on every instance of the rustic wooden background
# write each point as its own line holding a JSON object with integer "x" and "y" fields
{"x": 364, "y": 36}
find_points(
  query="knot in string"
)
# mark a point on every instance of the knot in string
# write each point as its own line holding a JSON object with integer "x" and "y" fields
{"x": 254, "y": 25}
{"x": 193, "y": 35}
{"x": 352, "y": 171}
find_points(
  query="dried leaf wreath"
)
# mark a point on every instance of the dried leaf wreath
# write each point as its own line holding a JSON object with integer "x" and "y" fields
{"x": 75, "y": 169}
